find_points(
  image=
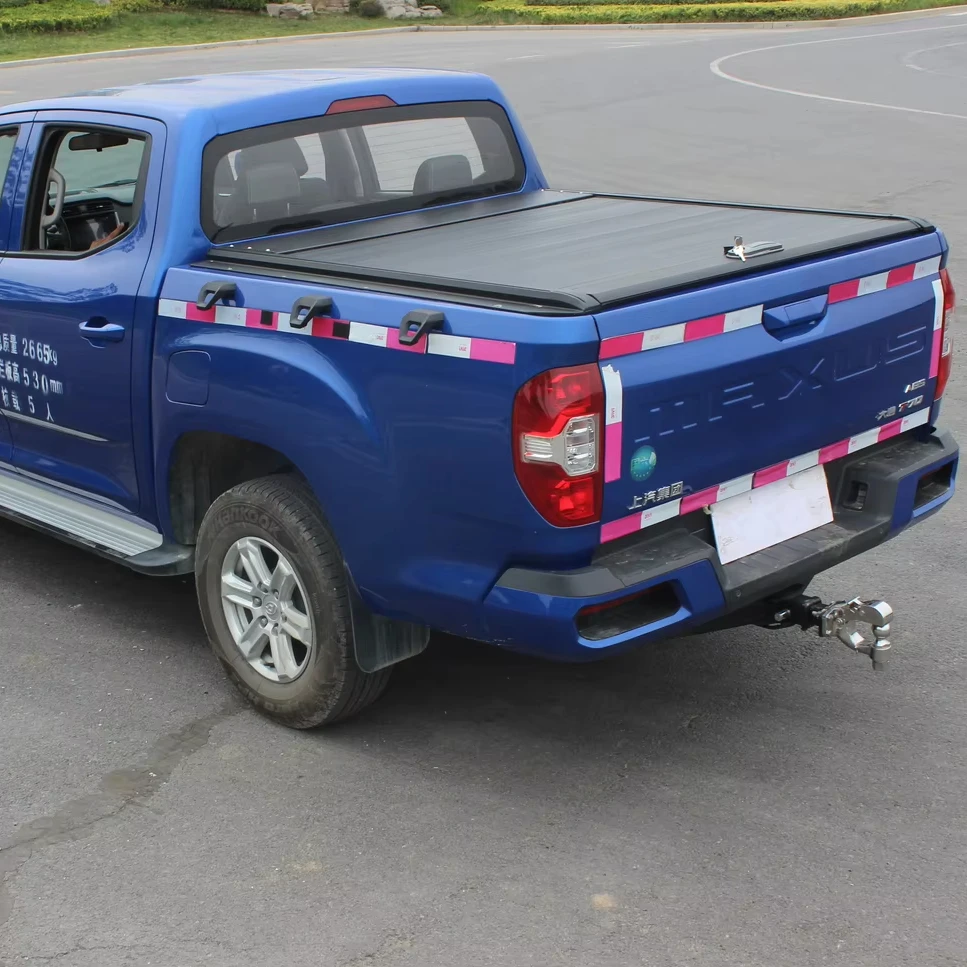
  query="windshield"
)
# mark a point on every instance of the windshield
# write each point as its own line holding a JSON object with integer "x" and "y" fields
{"x": 347, "y": 166}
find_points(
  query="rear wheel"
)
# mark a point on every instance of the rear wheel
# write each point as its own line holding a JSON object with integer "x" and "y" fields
{"x": 273, "y": 597}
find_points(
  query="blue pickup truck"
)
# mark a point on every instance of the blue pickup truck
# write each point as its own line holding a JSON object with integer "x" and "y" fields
{"x": 328, "y": 341}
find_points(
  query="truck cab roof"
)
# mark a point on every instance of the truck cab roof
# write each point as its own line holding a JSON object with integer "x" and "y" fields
{"x": 234, "y": 101}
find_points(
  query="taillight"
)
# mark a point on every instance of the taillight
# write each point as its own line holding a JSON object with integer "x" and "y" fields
{"x": 557, "y": 444}
{"x": 946, "y": 334}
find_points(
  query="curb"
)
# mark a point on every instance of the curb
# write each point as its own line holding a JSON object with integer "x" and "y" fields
{"x": 929, "y": 12}
{"x": 925, "y": 13}
{"x": 215, "y": 45}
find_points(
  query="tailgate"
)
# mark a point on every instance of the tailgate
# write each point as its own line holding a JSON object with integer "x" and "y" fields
{"x": 713, "y": 391}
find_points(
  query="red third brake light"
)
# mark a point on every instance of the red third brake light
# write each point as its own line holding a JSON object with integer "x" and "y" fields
{"x": 946, "y": 357}
{"x": 557, "y": 447}
{"x": 360, "y": 104}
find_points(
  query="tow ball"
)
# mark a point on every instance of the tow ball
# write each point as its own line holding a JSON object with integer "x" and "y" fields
{"x": 840, "y": 620}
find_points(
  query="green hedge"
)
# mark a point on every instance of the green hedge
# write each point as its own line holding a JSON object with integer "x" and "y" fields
{"x": 55, "y": 15}
{"x": 18, "y": 16}
{"x": 134, "y": 6}
{"x": 520, "y": 11}
{"x": 249, "y": 5}
{"x": 623, "y": 3}
{"x": 7, "y": 4}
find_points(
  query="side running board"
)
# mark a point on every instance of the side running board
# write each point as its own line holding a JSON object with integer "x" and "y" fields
{"x": 90, "y": 524}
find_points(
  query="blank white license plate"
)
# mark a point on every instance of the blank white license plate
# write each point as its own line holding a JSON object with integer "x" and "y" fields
{"x": 771, "y": 514}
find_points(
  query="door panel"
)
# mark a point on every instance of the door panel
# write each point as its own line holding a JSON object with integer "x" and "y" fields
{"x": 68, "y": 296}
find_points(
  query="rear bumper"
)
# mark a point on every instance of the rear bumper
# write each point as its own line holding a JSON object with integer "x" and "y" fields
{"x": 875, "y": 494}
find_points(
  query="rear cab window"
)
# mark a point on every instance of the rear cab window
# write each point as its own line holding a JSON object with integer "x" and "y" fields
{"x": 354, "y": 165}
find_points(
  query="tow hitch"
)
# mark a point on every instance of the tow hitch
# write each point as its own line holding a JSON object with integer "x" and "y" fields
{"x": 840, "y": 620}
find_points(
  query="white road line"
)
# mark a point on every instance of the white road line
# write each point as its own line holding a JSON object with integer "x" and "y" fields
{"x": 528, "y": 57}
{"x": 909, "y": 58}
{"x": 716, "y": 69}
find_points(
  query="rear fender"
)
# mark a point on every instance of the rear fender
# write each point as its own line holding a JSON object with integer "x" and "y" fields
{"x": 408, "y": 450}
{"x": 280, "y": 393}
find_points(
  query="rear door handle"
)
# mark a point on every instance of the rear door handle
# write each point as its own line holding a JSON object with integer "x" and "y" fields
{"x": 100, "y": 330}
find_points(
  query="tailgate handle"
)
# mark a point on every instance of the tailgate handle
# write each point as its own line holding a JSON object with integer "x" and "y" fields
{"x": 796, "y": 318}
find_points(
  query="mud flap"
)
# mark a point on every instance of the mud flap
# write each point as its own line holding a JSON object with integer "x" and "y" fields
{"x": 380, "y": 641}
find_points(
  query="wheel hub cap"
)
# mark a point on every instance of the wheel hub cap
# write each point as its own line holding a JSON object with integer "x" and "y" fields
{"x": 265, "y": 605}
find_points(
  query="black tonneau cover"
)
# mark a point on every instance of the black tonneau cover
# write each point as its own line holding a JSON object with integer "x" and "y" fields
{"x": 557, "y": 252}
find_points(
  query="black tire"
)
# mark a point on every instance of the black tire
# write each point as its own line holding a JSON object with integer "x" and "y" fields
{"x": 283, "y": 512}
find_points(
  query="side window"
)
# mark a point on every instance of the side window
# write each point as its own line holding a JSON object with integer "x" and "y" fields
{"x": 87, "y": 189}
{"x": 8, "y": 140}
{"x": 399, "y": 148}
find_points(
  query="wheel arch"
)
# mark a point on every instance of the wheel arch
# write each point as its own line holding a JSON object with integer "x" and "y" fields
{"x": 204, "y": 464}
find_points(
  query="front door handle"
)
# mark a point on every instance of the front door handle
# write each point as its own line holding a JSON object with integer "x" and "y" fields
{"x": 100, "y": 330}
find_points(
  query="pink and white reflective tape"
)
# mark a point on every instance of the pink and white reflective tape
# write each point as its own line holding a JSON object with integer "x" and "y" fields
{"x": 612, "y": 423}
{"x": 465, "y": 347}
{"x": 884, "y": 280}
{"x": 937, "y": 346}
{"x": 637, "y": 342}
{"x": 614, "y": 529}
{"x": 436, "y": 344}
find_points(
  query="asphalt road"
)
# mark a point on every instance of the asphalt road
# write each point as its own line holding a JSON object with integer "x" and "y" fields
{"x": 743, "y": 798}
